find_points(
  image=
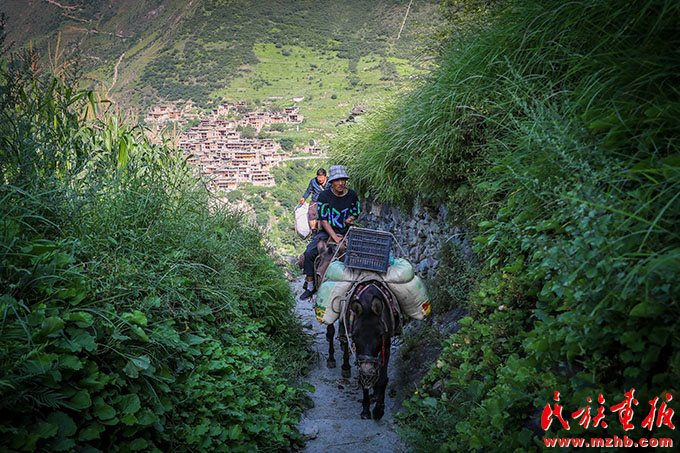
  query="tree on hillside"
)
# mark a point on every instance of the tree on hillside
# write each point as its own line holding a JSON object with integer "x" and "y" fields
{"x": 287, "y": 144}
{"x": 247, "y": 131}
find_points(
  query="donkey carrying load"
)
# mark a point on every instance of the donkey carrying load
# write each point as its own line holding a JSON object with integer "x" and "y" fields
{"x": 368, "y": 296}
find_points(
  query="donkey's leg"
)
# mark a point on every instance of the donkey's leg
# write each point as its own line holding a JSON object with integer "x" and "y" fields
{"x": 330, "y": 334}
{"x": 379, "y": 389}
{"x": 366, "y": 403}
{"x": 346, "y": 368}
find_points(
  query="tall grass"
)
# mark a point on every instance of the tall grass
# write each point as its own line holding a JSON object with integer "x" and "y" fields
{"x": 135, "y": 312}
{"x": 552, "y": 135}
{"x": 562, "y": 57}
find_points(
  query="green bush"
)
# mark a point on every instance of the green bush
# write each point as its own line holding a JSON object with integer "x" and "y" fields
{"x": 287, "y": 144}
{"x": 550, "y": 132}
{"x": 136, "y": 314}
{"x": 453, "y": 280}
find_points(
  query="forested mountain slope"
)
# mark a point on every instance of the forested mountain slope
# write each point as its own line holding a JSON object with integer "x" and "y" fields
{"x": 549, "y": 131}
{"x": 193, "y": 49}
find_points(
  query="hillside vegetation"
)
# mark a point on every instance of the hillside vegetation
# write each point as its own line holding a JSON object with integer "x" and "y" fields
{"x": 550, "y": 132}
{"x": 137, "y": 314}
{"x": 335, "y": 53}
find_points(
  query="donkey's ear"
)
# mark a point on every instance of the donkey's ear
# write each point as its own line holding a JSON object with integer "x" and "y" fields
{"x": 356, "y": 308}
{"x": 322, "y": 247}
{"x": 376, "y": 306}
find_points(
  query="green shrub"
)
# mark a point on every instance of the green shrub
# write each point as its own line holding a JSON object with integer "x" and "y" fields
{"x": 136, "y": 314}
{"x": 550, "y": 132}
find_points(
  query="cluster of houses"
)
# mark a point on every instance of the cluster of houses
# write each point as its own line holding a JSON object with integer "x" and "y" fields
{"x": 290, "y": 115}
{"x": 220, "y": 152}
{"x": 163, "y": 114}
{"x": 218, "y": 149}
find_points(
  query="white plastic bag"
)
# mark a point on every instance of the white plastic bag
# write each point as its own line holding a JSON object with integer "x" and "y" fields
{"x": 301, "y": 221}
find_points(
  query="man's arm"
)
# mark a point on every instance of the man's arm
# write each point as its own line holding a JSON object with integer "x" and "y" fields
{"x": 354, "y": 212}
{"x": 307, "y": 192}
{"x": 327, "y": 227}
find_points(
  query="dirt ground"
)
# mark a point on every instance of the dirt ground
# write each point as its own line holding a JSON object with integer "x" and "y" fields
{"x": 334, "y": 423}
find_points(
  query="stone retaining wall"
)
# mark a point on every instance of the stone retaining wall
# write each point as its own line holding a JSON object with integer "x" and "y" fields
{"x": 420, "y": 232}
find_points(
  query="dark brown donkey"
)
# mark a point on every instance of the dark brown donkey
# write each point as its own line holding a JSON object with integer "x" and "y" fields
{"x": 372, "y": 319}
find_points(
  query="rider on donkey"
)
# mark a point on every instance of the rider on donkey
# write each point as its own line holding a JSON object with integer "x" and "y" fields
{"x": 338, "y": 208}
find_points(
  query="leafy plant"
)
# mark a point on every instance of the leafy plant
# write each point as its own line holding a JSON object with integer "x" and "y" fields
{"x": 547, "y": 131}
{"x": 136, "y": 313}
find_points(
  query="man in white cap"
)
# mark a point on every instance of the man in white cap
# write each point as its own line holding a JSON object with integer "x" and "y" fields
{"x": 338, "y": 208}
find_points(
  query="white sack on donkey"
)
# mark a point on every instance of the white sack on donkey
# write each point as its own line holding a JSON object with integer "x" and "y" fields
{"x": 338, "y": 283}
{"x": 408, "y": 289}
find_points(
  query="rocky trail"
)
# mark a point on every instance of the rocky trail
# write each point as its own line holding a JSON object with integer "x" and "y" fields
{"x": 115, "y": 74}
{"x": 334, "y": 424}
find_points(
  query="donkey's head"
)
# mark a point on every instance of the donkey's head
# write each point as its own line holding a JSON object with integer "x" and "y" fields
{"x": 369, "y": 335}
